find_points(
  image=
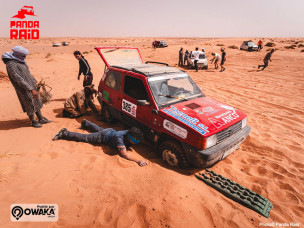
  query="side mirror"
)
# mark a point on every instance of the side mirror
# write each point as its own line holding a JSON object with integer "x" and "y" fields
{"x": 143, "y": 102}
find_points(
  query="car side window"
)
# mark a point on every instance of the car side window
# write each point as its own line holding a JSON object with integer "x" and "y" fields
{"x": 135, "y": 88}
{"x": 113, "y": 80}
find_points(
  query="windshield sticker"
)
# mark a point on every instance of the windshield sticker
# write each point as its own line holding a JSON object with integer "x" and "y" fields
{"x": 188, "y": 120}
{"x": 129, "y": 107}
{"x": 175, "y": 129}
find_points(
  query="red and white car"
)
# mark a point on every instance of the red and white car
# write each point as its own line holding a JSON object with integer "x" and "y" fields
{"x": 164, "y": 102}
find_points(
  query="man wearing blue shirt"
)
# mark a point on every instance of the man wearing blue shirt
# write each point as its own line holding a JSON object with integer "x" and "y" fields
{"x": 122, "y": 140}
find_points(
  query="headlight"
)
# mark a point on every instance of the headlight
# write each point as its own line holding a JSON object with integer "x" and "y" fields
{"x": 210, "y": 141}
{"x": 244, "y": 122}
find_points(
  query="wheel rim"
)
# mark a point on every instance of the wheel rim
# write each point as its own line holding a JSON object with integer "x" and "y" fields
{"x": 170, "y": 158}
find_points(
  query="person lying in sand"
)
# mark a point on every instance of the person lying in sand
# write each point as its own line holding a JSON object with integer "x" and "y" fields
{"x": 76, "y": 105}
{"x": 122, "y": 140}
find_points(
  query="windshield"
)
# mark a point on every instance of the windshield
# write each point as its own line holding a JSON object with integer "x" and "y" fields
{"x": 120, "y": 56}
{"x": 174, "y": 88}
{"x": 251, "y": 44}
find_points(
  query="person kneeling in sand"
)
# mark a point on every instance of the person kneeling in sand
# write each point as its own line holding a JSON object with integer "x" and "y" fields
{"x": 76, "y": 105}
{"x": 122, "y": 140}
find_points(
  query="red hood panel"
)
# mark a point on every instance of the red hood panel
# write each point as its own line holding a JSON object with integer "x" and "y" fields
{"x": 205, "y": 115}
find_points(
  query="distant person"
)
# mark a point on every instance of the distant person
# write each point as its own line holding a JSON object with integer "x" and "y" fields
{"x": 186, "y": 56}
{"x": 260, "y": 45}
{"x": 203, "y": 49}
{"x": 181, "y": 57}
{"x": 76, "y": 105}
{"x": 122, "y": 140}
{"x": 266, "y": 59}
{"x": 216, "y": 58}
{"x": 84, "y": 68}
{"x": 196, "y": 58}
{"x": 25, "y": 84}
{"x": 223, "y": 59}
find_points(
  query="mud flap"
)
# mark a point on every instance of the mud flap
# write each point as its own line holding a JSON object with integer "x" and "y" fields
{"x": 236, "y": 192}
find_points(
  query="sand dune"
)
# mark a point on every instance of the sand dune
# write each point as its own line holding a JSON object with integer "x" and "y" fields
{"x": 94, "y": 187}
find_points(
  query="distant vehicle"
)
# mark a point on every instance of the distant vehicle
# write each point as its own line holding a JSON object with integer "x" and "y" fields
{"x": 64, "y": 43}
{"x": 202, "y": 62}
{"x": 159, "y": 43}
{"x": 249, "y": 46}
{"x": 56, "y": 44}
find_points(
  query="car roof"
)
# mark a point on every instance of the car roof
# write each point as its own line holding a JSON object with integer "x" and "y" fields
{"x": 148, "y": 70}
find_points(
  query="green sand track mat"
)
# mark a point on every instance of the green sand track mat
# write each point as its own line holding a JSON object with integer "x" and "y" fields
{"x": 236, "y": 192}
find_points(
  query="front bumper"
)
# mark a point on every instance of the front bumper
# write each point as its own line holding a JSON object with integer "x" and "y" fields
{"x": 208, "y": 157}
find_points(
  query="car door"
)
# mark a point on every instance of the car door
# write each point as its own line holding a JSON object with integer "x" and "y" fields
{"x": 111, "y": 91}
{"x": 137, "y": 105}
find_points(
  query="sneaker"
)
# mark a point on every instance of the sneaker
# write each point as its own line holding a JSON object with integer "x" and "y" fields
{"x": 224, "y": 69}
{"x": 36, "y": 124}
{"x": 44, "y": 121}
{"x": 83, "y": 124}
{"x": 60, "y": 134}
{"x": 221, "y": 70}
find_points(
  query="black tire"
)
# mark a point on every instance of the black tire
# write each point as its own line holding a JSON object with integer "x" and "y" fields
{"x": 173, "y": 154}
{"x": 106, "y": 114}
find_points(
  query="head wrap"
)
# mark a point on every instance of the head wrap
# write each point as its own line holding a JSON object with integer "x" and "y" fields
{"x": 19, "y": 53}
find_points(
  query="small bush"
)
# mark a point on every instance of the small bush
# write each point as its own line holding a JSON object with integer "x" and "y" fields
{"x": 220, "y": 45}
{"x": 302, "y": 50}
{"x": 233, "y": 47}
{"x": 300, "y": 45}
{"x": 85, "y": 52}
{"x": 290, "y": 47}
{"x": 270, "y": 44}
{"x": 48, "y": 55}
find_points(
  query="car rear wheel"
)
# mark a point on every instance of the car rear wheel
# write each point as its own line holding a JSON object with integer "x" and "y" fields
{"x": 106, "y": 114}
{"x": 173, "y": 154}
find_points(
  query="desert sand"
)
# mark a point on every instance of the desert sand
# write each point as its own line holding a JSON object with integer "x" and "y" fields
{"x": 95, "y": 187}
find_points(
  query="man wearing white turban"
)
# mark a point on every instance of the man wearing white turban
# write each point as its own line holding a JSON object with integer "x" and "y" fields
{"x": 24, "y": 84}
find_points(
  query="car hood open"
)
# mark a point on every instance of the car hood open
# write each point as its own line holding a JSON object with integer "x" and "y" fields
{"x": 116, "y": 56}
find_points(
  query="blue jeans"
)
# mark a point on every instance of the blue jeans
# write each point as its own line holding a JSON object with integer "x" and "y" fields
{"x": 97, "y": 137}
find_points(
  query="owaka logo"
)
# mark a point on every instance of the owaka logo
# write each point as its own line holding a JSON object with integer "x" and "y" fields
{"x": 24, "y": 29}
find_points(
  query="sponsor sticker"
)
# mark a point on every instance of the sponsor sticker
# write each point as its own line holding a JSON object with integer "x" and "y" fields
{"x": 188, "y": 120}
{"x": 129, "y": 107}
{"x": 175, "y": 129}
{"x": 34, "y": 212}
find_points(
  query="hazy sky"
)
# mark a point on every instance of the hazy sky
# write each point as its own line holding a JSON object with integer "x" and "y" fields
{"x": 159, "y": 18}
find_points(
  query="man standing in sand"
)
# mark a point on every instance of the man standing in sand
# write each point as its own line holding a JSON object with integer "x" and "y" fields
{"x": 84, "y": 68}
{"x": 122, "y": 140}
{"x": 266, "y": 59}
{"x": 196, "y": 58}
{"x": 223, "y": 59}
{"x": 260, "y": 45}
{"x": 186, "y": 56}
{"x": 181, "y": 57}
{"x": 25, "y": 84}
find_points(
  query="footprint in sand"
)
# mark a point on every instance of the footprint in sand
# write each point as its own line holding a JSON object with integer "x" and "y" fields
{"x": 135, "y": 216}
{"x": 107, "y": 215}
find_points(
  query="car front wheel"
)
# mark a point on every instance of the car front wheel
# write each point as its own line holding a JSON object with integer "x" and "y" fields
{"x": 173, "y": 154}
